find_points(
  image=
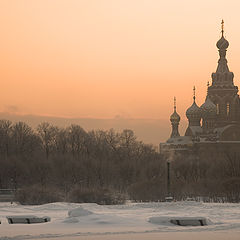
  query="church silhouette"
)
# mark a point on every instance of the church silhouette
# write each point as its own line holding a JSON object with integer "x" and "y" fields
{"x": 215, "y": 125}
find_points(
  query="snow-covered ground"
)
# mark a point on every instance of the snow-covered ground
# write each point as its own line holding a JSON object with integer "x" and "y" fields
{"x": 142, "y": 220}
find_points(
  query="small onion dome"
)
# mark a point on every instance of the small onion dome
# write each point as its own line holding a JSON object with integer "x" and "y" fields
{"x": 222, "y": 43}
{"x": 208, "y": 109}
{"x": 194, "y": 111}
{"x": 175, "y": 117}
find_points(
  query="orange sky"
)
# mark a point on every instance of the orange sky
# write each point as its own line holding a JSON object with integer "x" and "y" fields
{"x": 102, "y": 58}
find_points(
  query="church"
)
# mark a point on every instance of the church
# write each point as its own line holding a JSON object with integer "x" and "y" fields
{"x": 215, "y": 125}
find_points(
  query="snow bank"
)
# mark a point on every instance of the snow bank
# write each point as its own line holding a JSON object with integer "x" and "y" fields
{"x": 79, "y": 212}
{"x": 100, "y": 216}
{"x": 75, "y": 215}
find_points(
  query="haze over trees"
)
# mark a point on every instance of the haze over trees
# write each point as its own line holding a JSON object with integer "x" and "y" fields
{"x": 69, "y": 164}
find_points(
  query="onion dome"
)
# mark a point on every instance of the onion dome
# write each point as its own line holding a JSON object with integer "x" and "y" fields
{"x": 175, "y": 117}
{"x": 222, "y": 67}
{"x": 222, "y": 43}
{"x": 194, "y": 111}
{"x": 208, "y": 109}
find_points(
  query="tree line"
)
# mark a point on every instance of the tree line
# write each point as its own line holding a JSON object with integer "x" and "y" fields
{"x": 50, "y": 163}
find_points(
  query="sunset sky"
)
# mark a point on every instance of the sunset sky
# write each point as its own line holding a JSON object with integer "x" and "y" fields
{"x": 108, "y": 58}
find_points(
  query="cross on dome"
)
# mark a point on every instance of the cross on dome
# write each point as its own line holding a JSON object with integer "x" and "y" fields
{"x": 222, "y": 23}
{"x": 174, "y": 103}
{"x": 194, "y": 93}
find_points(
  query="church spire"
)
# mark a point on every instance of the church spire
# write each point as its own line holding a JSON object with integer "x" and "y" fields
{"x": 175, "y": 119}
{"x": 222, "y": 76}
{"x": 222, "y": 45}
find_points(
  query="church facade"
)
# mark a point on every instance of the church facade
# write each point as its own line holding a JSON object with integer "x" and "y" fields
{"x": 215, "y": 125}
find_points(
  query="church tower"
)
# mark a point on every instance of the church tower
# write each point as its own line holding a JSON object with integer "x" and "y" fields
{"x": 175, "y": 119}
{"x": 223, "y": 92}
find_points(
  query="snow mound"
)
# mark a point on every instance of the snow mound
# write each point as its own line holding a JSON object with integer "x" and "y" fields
{"x": 79, "y": 212}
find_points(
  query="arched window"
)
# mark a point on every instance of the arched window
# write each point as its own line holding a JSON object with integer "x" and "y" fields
{"x": 228, "y": 109}
{"x": 217, "y": 109}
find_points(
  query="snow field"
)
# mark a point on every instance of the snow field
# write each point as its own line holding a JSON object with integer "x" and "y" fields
{"x": 71, "y": 220}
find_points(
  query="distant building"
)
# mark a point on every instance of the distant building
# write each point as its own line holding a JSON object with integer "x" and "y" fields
{"x": 216, "y": 123}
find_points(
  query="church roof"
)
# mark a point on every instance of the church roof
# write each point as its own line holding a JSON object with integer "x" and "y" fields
{"x": 179, "y": 140}
{"x": 196, "y": 129}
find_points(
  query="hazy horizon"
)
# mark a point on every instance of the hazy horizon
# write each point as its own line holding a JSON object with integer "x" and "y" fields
{"x": 150, "y": 131}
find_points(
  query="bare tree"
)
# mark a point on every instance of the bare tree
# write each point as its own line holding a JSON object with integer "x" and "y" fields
{"x": 24, "y": 141}
{"x": 5, "y": 134}
{"x": 77, "y": 139}
{"x": 47, "y": 134}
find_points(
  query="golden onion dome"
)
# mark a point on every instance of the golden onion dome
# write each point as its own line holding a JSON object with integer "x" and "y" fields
{"x": 175, "y": 117}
